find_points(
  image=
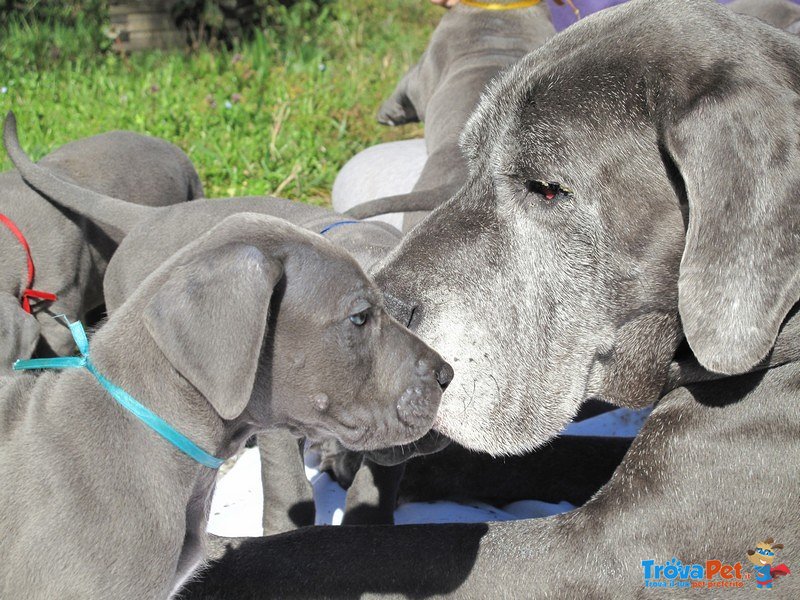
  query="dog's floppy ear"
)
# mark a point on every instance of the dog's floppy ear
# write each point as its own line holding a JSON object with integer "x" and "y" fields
{"x": 210, "y": 317}
{"x": 737, "y": 150}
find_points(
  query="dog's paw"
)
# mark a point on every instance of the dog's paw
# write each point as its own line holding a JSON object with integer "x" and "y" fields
{"x": 341, "y": 464}
{"x": 396, "y": 111}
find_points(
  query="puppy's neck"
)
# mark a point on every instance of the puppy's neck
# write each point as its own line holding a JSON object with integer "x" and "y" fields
{"x": 124, "y": 353}
{"x": 14, "y": 274}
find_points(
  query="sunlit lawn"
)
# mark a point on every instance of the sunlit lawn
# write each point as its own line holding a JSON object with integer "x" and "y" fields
{"x": 280, "y": 114}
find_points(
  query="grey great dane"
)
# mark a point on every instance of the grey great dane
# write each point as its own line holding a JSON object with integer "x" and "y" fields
{"x": 256, "y": 324}
{"x": 629, "y": 230}
{"x": 69, "y": 253}
{"x": 147, "y": 236}
{"x": 468, "y": 49}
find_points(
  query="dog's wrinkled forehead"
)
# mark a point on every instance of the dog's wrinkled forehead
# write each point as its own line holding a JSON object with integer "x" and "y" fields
{"x": 541, "y": 111}
{"x": 329, "y": 274}
{"x": 613, "y": 70}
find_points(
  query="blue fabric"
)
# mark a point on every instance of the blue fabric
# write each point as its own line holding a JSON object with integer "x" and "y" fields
{"x": 337, "y": 224}
{"x": 123, "y": 398}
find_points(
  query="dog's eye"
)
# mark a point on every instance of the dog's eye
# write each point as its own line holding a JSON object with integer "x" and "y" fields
{"x": 359, "y": 318}
{"x": 549, "y": 190}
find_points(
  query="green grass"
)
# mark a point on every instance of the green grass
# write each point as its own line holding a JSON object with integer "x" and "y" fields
{"x": 301, "y": 96}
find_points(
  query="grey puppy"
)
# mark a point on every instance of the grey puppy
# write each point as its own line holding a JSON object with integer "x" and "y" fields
{"x": 779, "y": 13}
{"x": 148, "y": 236}
{"x": 69, "y": 253}
{"x": 388, "y": 169}
{"x": 257, "y": 324}
{"x": 468, "y": 49}
{"x": 631, "y": 218}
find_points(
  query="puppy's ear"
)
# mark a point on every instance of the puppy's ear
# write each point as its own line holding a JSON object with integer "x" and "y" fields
{"x": 738, "y": 151}
{"x": 210, "y": 317}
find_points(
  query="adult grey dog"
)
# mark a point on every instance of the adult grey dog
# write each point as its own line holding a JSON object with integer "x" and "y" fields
{"x": 779, "y": 13}
{"x": 468, "y": 49}
{"x": 148, "y": 236}
{"x": 299, "y": 339}
{"x": 69, "y": 253}
{"x": 633, "y": 184}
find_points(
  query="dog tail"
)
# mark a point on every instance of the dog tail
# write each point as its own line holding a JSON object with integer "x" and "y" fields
{"x": 114, "y": 216}
{"x": 413, "y": 201}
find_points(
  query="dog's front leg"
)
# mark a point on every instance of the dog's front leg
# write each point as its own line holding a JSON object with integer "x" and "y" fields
{"x": 288, "y": 497}
{"x": 372, "y": 497}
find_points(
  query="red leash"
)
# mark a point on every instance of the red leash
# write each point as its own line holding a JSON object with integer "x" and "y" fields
{"x": 28, "y": 292}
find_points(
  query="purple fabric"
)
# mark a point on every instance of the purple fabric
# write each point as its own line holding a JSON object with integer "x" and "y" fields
{"x": 563, "y": 16}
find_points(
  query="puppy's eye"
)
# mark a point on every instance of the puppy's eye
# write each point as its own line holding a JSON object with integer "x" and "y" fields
{"x": 549, "y": 190}
{"x": 359, "y": 318}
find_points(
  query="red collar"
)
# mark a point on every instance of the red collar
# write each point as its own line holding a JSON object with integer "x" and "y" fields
{"x": 28, "y": 292}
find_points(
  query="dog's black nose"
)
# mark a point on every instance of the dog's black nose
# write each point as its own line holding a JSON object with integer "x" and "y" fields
{"x": 444, "y": 375}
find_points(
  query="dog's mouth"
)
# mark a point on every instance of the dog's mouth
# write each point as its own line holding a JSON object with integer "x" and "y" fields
{"x": 417, "y": 405}
{"x": 378, "y": 437}
{"x": 373, "y": 441}
{"x": 391, "y": 441}
{"x": 372, "y": 426}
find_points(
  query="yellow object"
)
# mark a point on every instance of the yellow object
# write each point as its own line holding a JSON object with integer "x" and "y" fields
{"x": 499, "y": 6}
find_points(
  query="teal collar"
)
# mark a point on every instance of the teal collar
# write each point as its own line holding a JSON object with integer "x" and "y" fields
{"x": 125, "y": 400}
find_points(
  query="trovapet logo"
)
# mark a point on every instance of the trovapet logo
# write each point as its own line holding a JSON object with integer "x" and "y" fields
{"x": 710, "y": 574}
{"x": 716, "y": 574}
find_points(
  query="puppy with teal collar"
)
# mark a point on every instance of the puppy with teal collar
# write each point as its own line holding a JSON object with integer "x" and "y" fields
{"x": 255, "y": 325}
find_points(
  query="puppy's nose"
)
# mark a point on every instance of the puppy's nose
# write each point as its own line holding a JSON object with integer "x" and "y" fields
{"x": 400, "y": 309}
{"x": 444, "y": 375}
